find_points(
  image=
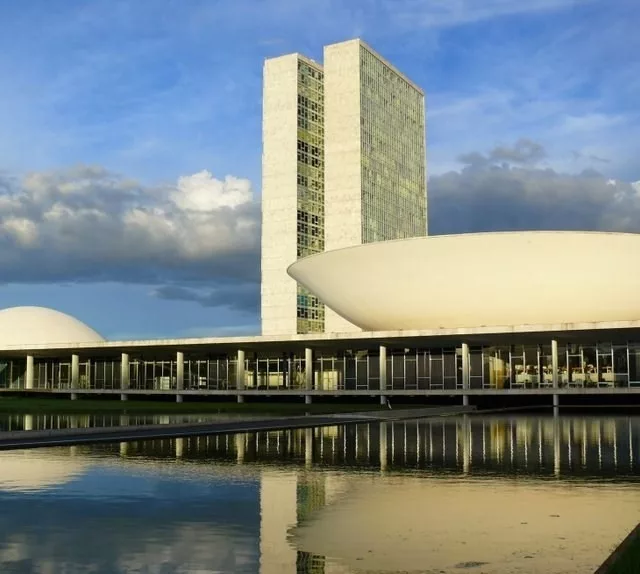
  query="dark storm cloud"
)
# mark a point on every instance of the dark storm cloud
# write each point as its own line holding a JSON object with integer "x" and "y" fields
{"x": 242, "y": 297}
{"x": 523, "y": 152}
{"x": 494, "y": 193}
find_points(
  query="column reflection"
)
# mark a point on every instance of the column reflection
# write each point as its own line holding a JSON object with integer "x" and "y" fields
{"x": 470, "y": 444}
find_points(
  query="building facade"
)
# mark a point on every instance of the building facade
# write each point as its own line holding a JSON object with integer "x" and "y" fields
{"x": 344, "y": 163}
{"x": 557, "y": 362}
{"x": 375, "y": 154}
{"x": 292, "y": 190}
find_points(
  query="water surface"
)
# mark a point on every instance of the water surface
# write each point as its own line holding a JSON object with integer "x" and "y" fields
{"x": 491, "y": 494}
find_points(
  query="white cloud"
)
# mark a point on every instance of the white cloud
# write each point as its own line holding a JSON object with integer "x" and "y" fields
{"x": 202, "y": 192}
{"x": 22, "y": 230}
{"x": 88, "y": 224}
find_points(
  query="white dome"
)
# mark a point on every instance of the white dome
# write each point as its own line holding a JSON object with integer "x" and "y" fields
{"x": 33, "y": 326}
{"x": 479, "y": 280}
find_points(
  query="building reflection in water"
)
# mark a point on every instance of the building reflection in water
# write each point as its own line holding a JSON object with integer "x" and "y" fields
{"x": 535, "y": 446}
{"x": 42, "y": 421}
{"x": 301, "y": 472}
{"x": 559, "y": 448}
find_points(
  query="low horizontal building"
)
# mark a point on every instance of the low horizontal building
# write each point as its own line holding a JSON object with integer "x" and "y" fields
{"x": 530, "y": 359}
{"x": 412, "y": 298}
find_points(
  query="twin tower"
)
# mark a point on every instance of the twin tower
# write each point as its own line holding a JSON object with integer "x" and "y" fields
{"x": 343, "y": 163}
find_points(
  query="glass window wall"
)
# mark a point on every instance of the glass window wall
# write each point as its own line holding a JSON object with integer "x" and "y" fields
{"x": 597, "y": 365}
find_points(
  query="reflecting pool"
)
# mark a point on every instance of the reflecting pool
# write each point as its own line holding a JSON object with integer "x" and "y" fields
{"x": 490, "y": 494}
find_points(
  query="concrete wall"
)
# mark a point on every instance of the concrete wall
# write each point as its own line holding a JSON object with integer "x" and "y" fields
{"x": 279, "y": 194}
{"x": 343, "y": 178}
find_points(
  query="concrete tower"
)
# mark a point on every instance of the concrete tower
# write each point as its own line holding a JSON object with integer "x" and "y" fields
{"x": 344, "y": 163}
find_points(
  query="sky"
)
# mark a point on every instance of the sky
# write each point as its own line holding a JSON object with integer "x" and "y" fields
{"x": 130, "y": 138}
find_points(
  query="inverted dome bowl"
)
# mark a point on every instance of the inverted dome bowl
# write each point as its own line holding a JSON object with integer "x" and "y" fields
{"x": 479, "y": 279}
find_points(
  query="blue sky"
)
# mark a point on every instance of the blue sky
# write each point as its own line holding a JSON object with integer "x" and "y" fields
{"x": 131, "y": 142}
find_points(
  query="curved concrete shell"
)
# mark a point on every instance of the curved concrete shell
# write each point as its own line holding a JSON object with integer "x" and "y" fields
{"x": 480, "y": 279}
{"x": 26, "y": 326}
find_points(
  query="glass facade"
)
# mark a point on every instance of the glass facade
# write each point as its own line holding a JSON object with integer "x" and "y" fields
{"x": 310, "y": 180}
{"x": 394, "y": 193}
{"x": 597, "y": 365}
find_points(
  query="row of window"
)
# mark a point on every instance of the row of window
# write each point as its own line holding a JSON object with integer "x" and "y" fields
{"x": 310, "y": 160}
{"x": 313, "y": 181}
{"x": 307, "y": 70}
{"x": 375, "y": 72}
{"x": 313, "y": 231}
{"x": 309, "y": 245}
{"x": 309, "y": 312}
{"x": 306, "y": 147}
{"x": 311, "y": 138}
{"x": 392, "y": 143}
{"x": 304, "y": 113}
{"x": 309, "y": 103}
{"x": 313, "y": 127}
{"x": 305, "y": 217}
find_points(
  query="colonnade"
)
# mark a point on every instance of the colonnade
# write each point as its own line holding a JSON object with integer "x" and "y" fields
{"x": 529, "y": 443}
{"x": 125, "y": 374}
{"x": 299, "y": 373}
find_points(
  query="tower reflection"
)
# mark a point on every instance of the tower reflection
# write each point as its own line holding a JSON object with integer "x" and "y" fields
{"x": 567, "y": 447}
{"x": 303, "y": 473}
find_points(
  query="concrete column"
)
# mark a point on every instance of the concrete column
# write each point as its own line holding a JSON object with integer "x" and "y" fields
{"x": 556, "y": 405}
{"x": 465, "y": 400}
{"x": 466, "y": 367}
{"x": 289, "y": 382}
{"x": 123, "y": 397}
{"x": 308, "y": 369}
{"x": 556, "y": 446}
{"x": 125, "y": 373}
{"x": 240, "y": 398}
{"x": 383, "y": 373}
{"x": 28, "y": 422}
{"x": 178, "y": 398}
{"x": 466, "y": 444}
{"x": 308, "y": 447}
{"x": 254, "y": 372}
{"x": 240, "y": 376}
{"x": 179, "y": 447}
{"x": 29, "y": 372}
{"x": 75, "y": 371}
{"x": 74, "y": 396}
{"x": 383, "y": 446}
{"x": 554, "y": 363}
{"x": 124, "y": 448}
{"x": 308, "y": 399}
{"x": 179, "y": 371}
{"x": 240, "y": 440}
